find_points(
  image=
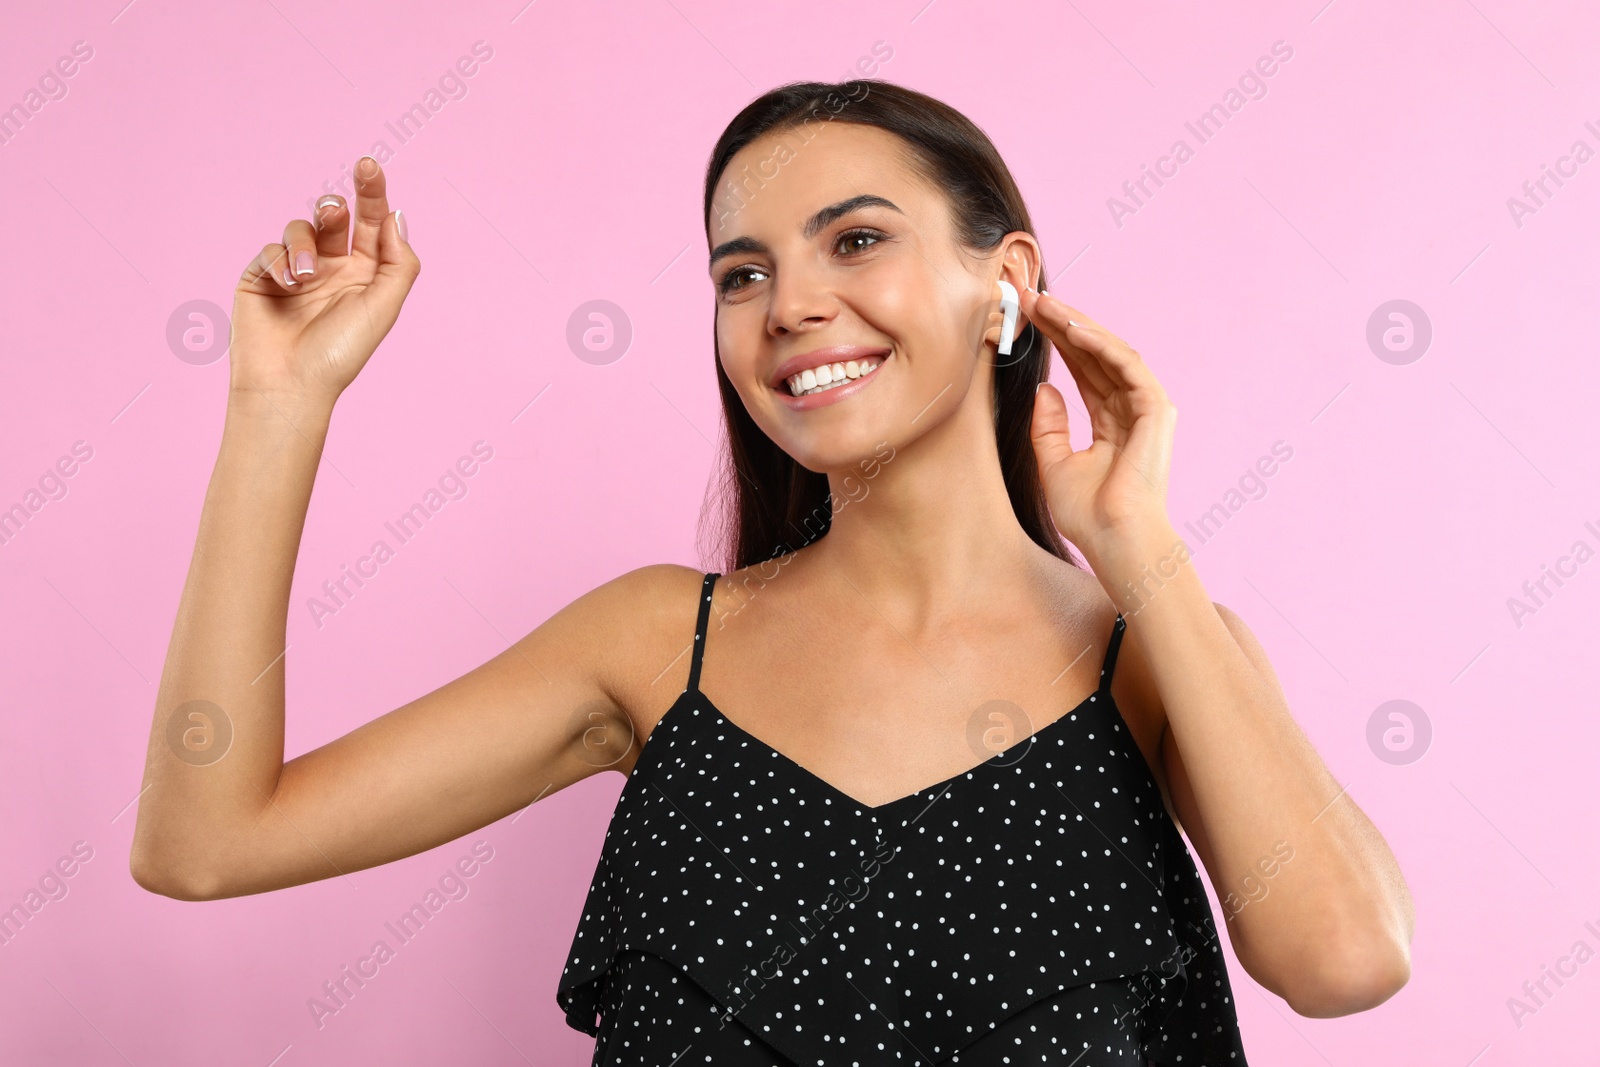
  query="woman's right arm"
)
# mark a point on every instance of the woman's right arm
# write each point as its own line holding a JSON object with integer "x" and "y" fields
{"x": 220, "y": 813}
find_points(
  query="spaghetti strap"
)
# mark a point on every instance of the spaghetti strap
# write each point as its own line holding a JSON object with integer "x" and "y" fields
{"x": 700, "y": 630}
{"x": 1111, "y": 653}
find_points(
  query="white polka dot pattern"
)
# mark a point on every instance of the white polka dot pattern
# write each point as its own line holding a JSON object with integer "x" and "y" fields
{"x": 1040, "y": 908}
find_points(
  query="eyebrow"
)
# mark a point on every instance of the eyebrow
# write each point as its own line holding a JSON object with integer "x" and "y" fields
{"x": 814, "y": 225}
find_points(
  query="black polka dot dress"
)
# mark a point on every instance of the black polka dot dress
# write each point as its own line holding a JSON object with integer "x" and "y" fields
{"x": 1041, "y": 908}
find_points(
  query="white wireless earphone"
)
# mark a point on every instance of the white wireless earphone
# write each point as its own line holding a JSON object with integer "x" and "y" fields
{"x": 1009, "y": 303}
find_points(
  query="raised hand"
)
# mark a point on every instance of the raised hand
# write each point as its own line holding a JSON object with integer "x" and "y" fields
{"x": 309, "y": 311}
{"x": 1116, "y": 487}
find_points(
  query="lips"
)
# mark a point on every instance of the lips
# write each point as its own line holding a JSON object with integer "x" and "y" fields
{"x": 834, "y": 394}
{"x": 819, "y": 357}
{"x": 831, "y": 376}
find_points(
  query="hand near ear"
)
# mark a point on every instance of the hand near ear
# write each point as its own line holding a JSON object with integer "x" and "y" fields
{"x": 1117, "y": 486}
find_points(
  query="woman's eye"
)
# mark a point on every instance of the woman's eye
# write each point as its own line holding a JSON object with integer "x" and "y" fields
{"x": 872, "y": 236}
{"x": 731, "y": 281}
{"x": 727, "y": 284}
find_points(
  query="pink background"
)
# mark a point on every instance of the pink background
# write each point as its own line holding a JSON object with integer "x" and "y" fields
{"x": 1419, "y": 498}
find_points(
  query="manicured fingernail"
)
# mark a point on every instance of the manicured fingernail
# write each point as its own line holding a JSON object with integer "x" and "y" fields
{"x": 327, "y": 201}
{"x": 400, "y": 224}
{"x": 1037, "y": 388}
{"x": 304, "y": 264}
{"x": 288, "y": 278}
{"x": 1044, "y": 292}
{"x": 1079, "y": 325}
{"x": 366, "y": 167}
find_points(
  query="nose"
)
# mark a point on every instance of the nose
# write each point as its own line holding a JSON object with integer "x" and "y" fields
{"x": 799, "y": 304}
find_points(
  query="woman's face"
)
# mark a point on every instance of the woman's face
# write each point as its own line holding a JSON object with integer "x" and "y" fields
{"x": 835, "y": 251}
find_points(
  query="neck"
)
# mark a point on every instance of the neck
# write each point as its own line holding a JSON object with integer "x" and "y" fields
{"x": 927, "y": 529}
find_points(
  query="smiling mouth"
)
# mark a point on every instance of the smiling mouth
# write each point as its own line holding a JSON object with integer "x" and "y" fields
{"x": 831, "y": 375}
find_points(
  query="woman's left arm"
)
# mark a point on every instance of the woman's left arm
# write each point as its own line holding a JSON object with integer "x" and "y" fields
{"x": 1317, "y": 909}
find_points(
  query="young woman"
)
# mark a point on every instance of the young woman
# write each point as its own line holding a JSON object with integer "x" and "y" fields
{"x": 905, "y": 783}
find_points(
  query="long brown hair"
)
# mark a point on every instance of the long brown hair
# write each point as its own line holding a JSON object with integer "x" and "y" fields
{"x": 777, "y": 505}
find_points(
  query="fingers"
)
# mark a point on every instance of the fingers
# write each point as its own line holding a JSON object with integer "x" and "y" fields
{"x": 1052, "y": 317}
{"x": 1104, "y": 355}
{"x": 398, "y": 267}
{"x": 1051, "y": 430}
{"x": 372, "y": 207}
{"x": 303, "y": 257}
{"x": 1094, "y": 395}
{"x": 300, "y": 241}
{"x": 269, "y": 273}
{"x": 308, "y": 245}
{"x": 1105, "y": 359}
{"x": 332, "y": 224}
{"x": 1074, "y": 314}
{"x": 1116, "y": 360}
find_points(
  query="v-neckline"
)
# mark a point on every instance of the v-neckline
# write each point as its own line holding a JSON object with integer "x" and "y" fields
{"x": 694, "y": 692}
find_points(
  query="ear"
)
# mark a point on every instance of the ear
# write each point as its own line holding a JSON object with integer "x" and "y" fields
{"x": 1020, "y": 264}
{"x": 1016, "y": 260}
{"x": 1020, "y": 261}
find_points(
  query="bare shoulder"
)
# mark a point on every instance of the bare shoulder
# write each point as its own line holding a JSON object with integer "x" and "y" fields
{"x": 646, "y": 617}
{"x": 1133, "y": 686}
{"x": 647, "y": 595}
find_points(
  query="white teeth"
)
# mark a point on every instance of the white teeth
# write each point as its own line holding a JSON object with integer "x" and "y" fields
{"x": 831, "y": 375}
